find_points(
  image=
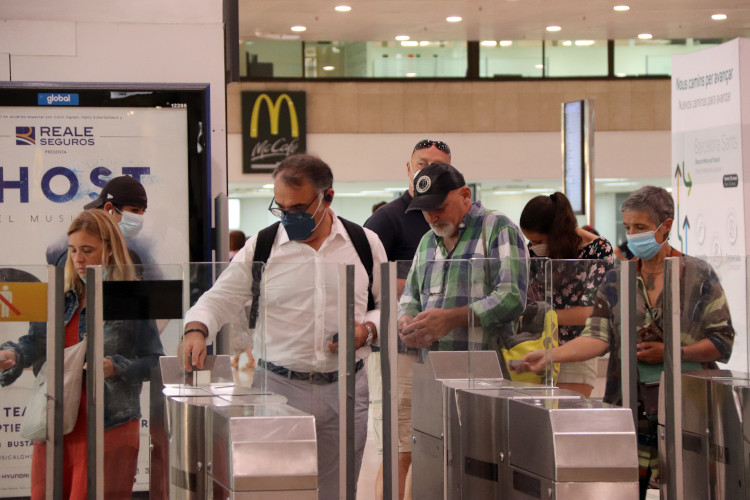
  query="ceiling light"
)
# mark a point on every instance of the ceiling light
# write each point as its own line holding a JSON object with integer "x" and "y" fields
{"x": 267, "y": 186}
{"x": 584, "y": 43}
{"x": 329, "y": 68}
{"x": 424, "y": 43}
{"x": 718, "y": 17}
{"x": 342, "y": 8}
{"x": 553, "y": 28}
{"x": 567, "y": 43}
{"x": 539, "y": 190}
{"x": 299, "y": 28}
{"x": 409, "y": 43}
{"x": 645, "y": 36}
{"x": 506, "y": 43}
{"x": 401, "y": 38}
{"x": 411, "y": 75}
{"x": 539, "y": 66}
{"x": 621, "y": 75}
{"x": 621, "y": 8}
{"x": 454, "y": 19}
{"x": 488, "y": 43}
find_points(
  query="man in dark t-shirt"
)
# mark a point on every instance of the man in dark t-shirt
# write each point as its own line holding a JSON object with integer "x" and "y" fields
{"x": 400, "y": 232}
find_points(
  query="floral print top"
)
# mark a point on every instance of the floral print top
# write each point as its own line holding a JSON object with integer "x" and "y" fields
{"x": 574, "y": 282}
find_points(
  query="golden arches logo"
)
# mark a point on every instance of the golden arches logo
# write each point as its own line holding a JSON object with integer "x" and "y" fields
{"x": 274, "y": 108}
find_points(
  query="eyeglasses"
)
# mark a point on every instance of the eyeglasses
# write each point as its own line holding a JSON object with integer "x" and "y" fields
{"x": 279, "y": 212}
{"x": 426, "y": 143}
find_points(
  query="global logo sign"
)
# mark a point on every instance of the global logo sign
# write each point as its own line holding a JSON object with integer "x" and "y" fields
{"x": 25, "y": 136}
{"x": 57, "y": 99}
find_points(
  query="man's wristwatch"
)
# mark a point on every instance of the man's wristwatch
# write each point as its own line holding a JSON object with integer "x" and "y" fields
{"x": 370, "y": 334}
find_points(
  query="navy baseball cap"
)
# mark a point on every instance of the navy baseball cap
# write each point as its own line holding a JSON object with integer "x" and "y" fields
{"x": 432, "y": 185}
{"x": 123, "y": 190}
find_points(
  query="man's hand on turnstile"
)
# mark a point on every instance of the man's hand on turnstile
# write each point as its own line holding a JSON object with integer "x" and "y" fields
{"x": 194, "y": 345}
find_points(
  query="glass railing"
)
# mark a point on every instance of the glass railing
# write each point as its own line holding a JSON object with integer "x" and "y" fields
{"x": 500, "y": 59}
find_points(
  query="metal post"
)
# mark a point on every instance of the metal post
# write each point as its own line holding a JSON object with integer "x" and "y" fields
{"x": 347, "y": 383}
{"x": 628, "y": 351}
{"x": 55, "y": 363}
{"x": 95, "y": 383}
{"x": 673, "y": 378}
{"x": 389, "y": 370}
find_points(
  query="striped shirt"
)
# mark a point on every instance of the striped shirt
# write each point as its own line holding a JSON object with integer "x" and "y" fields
{"x": 488, "y": 274}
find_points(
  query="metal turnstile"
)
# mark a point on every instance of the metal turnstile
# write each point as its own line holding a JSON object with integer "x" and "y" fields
{"x": 715, "y": 435}
{"x": 262, "y": 452}
{"x": 182, "y": 430}
{"x": 486, "y": 437}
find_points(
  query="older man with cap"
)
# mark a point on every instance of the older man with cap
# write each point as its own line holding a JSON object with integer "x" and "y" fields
{"x": 400, "y": 231}
{"x": 444, "y": 287}
{"x": 124, "y": 198}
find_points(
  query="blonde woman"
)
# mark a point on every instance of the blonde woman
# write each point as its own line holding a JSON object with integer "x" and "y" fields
{"x": 131, "y": 349}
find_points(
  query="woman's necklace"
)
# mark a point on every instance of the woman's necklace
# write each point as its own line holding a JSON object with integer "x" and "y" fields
{"x": 650, "y": 279}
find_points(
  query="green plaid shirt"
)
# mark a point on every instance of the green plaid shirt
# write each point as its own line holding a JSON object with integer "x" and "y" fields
{"x": 492, "y": 283}
{"x": 704, "y": 313}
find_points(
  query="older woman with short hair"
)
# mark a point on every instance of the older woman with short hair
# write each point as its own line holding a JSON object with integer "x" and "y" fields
{"x": 707, "y": 335}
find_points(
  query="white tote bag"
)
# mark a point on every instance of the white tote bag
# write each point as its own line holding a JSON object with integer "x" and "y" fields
{"x": 34, "y": 424}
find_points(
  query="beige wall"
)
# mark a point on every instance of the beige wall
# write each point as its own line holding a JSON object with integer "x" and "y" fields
{"x": 467, "y": 107}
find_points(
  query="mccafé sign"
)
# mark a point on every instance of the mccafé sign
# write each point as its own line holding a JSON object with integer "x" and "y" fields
{"x": 273, "y": 127}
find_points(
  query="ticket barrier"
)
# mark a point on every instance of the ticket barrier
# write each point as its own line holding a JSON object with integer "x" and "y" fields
{"x": 182, "y": 438}
{"x": 715, "y": 435}
{"x": 261, "y": 452}
{"x": 485, "y": 437}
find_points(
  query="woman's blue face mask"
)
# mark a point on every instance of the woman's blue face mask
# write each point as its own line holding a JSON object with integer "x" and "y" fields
{"x": 644, "y": 245}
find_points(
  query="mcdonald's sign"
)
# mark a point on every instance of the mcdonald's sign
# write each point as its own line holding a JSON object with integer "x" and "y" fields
{"x": 273, "y": 127}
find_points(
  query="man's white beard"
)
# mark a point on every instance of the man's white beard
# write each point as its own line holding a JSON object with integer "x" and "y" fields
{"x": 444, "y": 230}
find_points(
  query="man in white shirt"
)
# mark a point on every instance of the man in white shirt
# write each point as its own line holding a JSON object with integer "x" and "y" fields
{"x": 300, "y": 295}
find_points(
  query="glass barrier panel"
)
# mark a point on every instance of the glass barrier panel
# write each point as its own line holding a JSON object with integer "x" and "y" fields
{"x": 576, "y": 58}
{"x": 271, "y": 59}
{"x": 24, "y": 320}
{"x": 511, "y": 59}
{"x": 571, "y": 288}
{"x": 635, "y": 57}
{"x": 141, "y": 320}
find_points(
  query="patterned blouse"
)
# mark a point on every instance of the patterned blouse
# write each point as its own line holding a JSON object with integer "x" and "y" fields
{"x": 574, "y": 282}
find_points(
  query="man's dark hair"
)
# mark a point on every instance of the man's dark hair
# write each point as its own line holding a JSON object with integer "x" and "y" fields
{"x": 298, "y": 169}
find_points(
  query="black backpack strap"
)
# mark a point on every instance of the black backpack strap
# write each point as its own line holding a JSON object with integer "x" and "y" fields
{"x": 362, "y": 246}
{"x": 263, "y": 245}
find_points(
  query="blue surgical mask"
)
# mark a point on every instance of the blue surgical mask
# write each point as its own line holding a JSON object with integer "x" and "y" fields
{"x": 300, "y": 225}
{"x": 644, "y": 245}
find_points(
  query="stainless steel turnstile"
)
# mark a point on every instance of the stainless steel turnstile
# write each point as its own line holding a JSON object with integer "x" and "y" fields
{"x": 484, "y": 437}
{"x": 183, "y": 438}
{"x": 715, "y": 435}
{"x": 262, "y": 452}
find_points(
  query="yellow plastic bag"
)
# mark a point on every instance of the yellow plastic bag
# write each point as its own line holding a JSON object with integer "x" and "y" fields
{"x": 528, "y": 342}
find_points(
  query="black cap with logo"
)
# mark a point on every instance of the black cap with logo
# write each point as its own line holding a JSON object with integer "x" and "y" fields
{"x": 121, "y": 191}
{"x": 432, "y": 185}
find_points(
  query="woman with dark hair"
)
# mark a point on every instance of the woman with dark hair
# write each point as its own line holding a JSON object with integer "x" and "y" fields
{"x": 131, "y": 349}
{"x": 550, "y": 225}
